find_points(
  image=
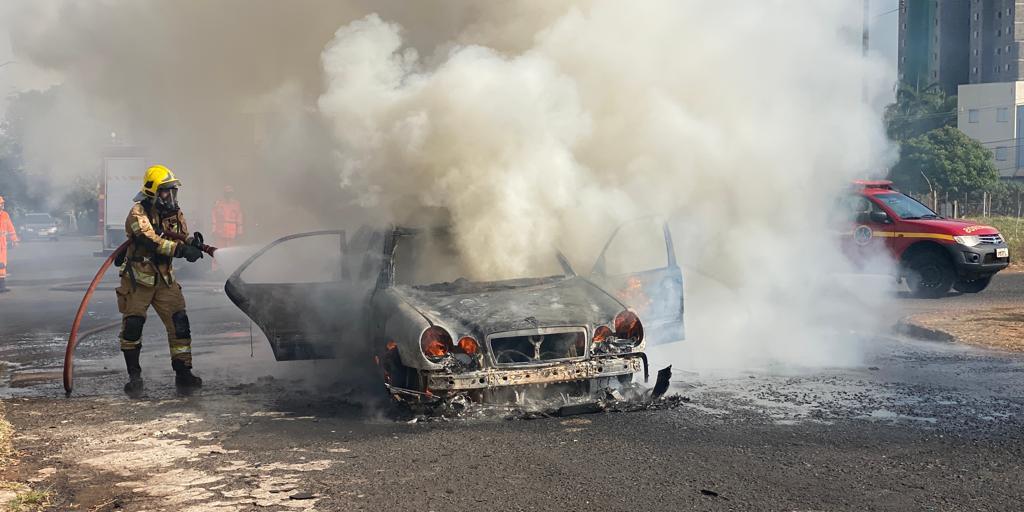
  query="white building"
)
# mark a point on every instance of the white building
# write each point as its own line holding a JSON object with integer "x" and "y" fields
{"x": 993, "y": 114}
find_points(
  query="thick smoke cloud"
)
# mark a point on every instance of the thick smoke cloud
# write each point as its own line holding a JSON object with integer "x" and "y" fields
{"x": 738, "y": 120}
{"x": 531, "y": 124}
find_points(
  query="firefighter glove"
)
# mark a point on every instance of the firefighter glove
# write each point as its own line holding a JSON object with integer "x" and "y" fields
{"x": 190, "y": 252}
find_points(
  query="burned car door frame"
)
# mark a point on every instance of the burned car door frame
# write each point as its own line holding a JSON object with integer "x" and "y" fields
{"x": 299, "y": 319}
{"x": 656, "y": 294}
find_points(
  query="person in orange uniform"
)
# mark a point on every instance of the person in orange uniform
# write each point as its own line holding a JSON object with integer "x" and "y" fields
{"x": 227, "y": 219}
{"x": 6, "y": 232}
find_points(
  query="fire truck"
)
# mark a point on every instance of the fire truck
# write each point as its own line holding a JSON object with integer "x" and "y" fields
{"x": 933, "y": 254}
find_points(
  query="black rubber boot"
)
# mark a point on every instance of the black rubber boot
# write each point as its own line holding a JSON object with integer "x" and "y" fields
{"x": 183, "y": 377}
{"x": 3, "y": 285}
{"x": 134, "y": 386}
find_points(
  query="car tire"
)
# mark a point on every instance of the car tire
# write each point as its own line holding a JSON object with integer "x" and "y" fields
{"x": 930, "y": 275}
{"x": 973, "y": 285}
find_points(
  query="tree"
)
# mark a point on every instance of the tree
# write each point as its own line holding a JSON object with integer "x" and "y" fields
{"x": 946, "y": 161}
{"x": 917, "y": 112}
{"x": 13, "y": 182}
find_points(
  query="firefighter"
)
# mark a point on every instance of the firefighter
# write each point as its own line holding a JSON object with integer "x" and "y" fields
{"x": 227, "y": 219}
{"x": 147, "y": 277}
{"x": 6, "y": 231}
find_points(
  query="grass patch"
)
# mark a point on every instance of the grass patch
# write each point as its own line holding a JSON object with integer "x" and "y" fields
{"x": 29, "y": 501}
{"x": 25, "y": 499}
{"x": 1012, "y": 230}
{"x": 6, "y": 432}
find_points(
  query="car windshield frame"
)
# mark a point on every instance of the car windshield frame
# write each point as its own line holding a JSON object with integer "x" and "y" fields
{"x": 523, "y": 281}
{"x": 37, "y": 218}
{"x": 922, "y": 213}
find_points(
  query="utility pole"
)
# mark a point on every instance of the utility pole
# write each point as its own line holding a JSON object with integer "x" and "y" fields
{"x": 864, "y": 50}
{"x": 865, "y": 44}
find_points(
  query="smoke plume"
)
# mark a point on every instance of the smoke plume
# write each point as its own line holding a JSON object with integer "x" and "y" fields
{"x": 532, "y": 125}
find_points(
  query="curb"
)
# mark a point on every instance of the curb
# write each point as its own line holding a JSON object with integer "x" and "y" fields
{"x": 907, "y": 327}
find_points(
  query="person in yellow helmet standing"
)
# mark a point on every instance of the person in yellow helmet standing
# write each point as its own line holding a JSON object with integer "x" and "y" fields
{"x": 6, "y": 232}
{"x": 147, "y": 277}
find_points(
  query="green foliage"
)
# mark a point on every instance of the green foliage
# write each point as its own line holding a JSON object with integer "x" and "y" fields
{"x": 917, "y": 112}
{"x": 28, "y": 192}
{"x": 1008, "y": 197}
{"x": 947, "y": 161}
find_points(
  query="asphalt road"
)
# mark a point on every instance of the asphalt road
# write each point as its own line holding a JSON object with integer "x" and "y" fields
{"x": 913, "y": 425}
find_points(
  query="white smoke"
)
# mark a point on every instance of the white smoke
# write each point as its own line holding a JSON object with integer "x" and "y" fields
{"x": 534, "y": 124}
{"x": 738, "y": 120}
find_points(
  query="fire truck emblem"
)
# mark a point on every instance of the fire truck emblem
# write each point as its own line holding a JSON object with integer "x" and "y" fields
{"x": 862, "y": 235}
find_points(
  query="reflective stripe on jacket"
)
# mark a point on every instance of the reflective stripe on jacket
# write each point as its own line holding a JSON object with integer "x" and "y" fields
{"x": 150, "y": 254}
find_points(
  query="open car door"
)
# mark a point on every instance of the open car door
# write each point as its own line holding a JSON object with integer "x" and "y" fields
{"x": 296, "y": 289}
{"x": 638, "y": 266}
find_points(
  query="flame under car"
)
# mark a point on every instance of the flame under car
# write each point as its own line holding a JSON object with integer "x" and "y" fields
{"x": 397, "y": 296}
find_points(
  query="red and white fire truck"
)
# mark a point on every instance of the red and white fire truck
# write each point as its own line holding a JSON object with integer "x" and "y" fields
{"x": 932, "y": 253}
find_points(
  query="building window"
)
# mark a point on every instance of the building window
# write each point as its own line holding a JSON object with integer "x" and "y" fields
{"x": 975, "y": 34}
{"x": 1002, "y": 153}
{"x": 1006, "y": 67}
{"x": 999, "y": 15}
{"x": 999, "y": 51}
{"x": 974, "y": 70}
{"x": 999, "y": 32}
{"x": 1002, "y": 115}
{"x": 972, "y": 115}
{"x": 976, "y": 16}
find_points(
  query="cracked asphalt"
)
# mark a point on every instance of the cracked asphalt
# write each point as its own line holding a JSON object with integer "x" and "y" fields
{"x": 916, "y": 425}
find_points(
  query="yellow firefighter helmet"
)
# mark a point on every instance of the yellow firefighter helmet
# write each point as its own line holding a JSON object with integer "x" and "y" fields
{"x": 156, "y": 178}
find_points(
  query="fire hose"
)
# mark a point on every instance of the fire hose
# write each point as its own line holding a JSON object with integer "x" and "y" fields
{"x": 69, "y": 353}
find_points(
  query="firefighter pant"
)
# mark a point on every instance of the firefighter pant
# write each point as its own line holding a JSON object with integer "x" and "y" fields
{"x": 3, "y": 257}
{"x": 169, "y": 304}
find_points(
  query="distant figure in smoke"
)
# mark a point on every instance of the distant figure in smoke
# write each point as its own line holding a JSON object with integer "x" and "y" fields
{"x": 6, "y": 231}
{"x": 147, "y": 277}
{"x": 227, "y": 220}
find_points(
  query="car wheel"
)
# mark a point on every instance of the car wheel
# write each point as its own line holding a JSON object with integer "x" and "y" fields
{"x": 973, "y": 285}
{"x": 930, "y": 275}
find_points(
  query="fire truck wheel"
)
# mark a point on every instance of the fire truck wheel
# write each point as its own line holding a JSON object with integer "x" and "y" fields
{"x": 930, "y": 275}
{"x": 972, "y": 286}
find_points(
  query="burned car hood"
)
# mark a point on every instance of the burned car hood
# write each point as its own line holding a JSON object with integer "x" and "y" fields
{"x": 485, "y": 308}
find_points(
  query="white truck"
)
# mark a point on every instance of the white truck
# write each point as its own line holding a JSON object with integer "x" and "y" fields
{"x": 121, "y": 175}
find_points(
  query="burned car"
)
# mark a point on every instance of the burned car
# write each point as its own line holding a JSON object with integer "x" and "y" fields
{"x": 396, "y": 295}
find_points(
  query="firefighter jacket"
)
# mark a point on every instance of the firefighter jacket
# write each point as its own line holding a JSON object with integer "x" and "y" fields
{"x": 148, "y": 261}
{"x": 6, "y": 231}
{"x": 227, "y": 219}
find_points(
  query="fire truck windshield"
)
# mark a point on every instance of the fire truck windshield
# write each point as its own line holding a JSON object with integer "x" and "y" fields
{"x": 906, "y": 207}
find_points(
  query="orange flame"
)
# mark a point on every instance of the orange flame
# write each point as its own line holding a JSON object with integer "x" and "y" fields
{"x": 633, "y": 295}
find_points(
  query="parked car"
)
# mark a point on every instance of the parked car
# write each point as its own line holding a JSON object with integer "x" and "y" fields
{"x": 398, "y": 295}
{"x": 38, "y": 226}
{"x": 932, "y": 253}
